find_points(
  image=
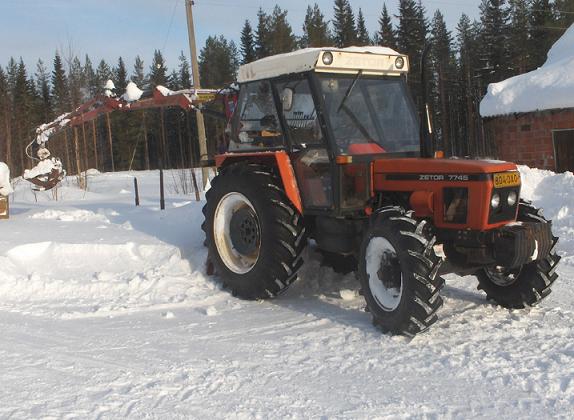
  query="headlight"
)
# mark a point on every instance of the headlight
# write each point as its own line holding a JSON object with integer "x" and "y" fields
{"x": 399, "y": 62}
{"x": 327, "y": 58}
{"x": 495, "y": 201}
{"x": 512, "y": 198}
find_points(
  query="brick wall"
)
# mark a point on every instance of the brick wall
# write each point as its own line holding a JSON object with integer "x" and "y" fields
{"x": 527, "y": 138}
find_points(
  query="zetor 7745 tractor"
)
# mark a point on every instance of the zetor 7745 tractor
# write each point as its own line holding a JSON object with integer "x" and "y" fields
{"x": 326, "y": 144}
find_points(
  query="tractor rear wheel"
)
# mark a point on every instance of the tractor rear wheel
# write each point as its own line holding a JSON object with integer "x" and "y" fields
{"x": 526, "y": 285}
{"x": 398, "y": 270}
{"x": 254, "y": 235}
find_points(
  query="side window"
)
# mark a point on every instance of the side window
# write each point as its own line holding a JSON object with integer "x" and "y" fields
{"x": 256, "y": 124}
{"x": 299, "y": 112}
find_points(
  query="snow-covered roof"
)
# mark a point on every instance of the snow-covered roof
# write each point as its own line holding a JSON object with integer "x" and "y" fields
{"x": 548, "y": 87}
{"x": 371, "y": 59}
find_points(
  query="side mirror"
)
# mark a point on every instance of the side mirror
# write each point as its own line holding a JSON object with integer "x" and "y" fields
{"x": 287, "y": 99}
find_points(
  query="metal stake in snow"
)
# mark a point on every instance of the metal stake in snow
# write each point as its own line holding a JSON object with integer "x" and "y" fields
{"x": 161, "y": 191}
{"x": 137, "y": 192}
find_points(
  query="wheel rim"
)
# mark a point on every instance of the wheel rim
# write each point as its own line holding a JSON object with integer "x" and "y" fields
{"x": 384, "y": 272}
{"x": 237, "y": 233}
{"x": 501, "y": 277}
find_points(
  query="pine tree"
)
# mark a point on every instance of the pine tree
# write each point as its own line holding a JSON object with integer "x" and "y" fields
{"x": 467, "y": 45}
{"x": 23, "y": 103}
{"x": 158, "y": 71}
{"x": 495, "y": 54}
{"x": 564, "y": 13}
{"x": 411, "y": 39}
{"x": 541, "y": 34}
{"x": 444, "y": 71}
{"x": 316, "y": 31}
{"x": 218, "y": 62}
{"x": 262, "y": 37}
{"x": 247, "y": 44}
{"x": 76, "y": 82}
{"x": 120, "y": 77}
{"x": 363, "y": 37}
{"x": 344, "y": 24}
{"x": 103, "y": 74}
{"x": 60, "y": 95}
{"x": 90, "y": 78}
{"x": 386, "y": 35}
{"x": 43, "y": 89}
{"x": 184, "y": 75}
{"x": 281, "y": 35}
{"x": 138, "y": 74}
{"x": 518, "y": 36}
{"x": 5, "y": 119}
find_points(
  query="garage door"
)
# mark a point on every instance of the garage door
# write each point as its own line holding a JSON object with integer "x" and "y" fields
{"x": 564, "y": 150}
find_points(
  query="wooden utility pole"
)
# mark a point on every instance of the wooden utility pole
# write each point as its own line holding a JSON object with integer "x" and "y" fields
{"x": 95, "y": 140}
{"x": 197, "y": 85}
{"x": 108, "y": 123}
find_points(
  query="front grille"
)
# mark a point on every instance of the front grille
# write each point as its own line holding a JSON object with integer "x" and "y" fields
{"x": 504, "y": 212}
{"x": 455, "y": 205}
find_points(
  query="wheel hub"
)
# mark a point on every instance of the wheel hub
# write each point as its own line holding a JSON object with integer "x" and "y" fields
{"x": 390, "y": 271}
{"x": 244, "y": 231}
{"x": 384, "y": 273}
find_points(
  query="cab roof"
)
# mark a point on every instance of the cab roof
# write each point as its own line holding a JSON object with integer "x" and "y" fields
{"x": 372, "y": 60}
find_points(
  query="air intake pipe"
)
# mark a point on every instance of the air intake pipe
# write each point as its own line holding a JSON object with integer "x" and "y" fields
{"x": 426, "y": 126}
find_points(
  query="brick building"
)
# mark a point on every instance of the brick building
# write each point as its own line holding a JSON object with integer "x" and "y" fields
{"x": 530, "y": 117}
{"x": 541, "y": 139}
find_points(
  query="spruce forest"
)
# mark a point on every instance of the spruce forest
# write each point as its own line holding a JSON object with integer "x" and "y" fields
{"x": 511, "y": 37}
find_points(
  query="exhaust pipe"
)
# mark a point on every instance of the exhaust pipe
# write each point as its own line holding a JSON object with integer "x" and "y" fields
{"x": 426, "y": 126}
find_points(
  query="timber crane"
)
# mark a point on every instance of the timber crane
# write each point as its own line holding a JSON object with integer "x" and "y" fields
{"x": 49, "y": 170}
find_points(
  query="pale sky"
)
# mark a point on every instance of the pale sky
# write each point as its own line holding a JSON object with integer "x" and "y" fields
{"x": 34, "y": 29}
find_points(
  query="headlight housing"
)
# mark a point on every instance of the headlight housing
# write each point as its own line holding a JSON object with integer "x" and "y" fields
{"x": 512, "y": 198}
{"x": 328, "y": 58}
{"x": 399, "y": 63}
{"x": 495, "y": 201}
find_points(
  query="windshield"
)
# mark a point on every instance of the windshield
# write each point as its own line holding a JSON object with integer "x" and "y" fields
{"x": 370, "y": 115}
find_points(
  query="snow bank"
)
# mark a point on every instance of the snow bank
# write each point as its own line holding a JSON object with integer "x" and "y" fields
{"x": 548, "y": 87}
{"x": 5, "y": 187}
{"x": 554, "y": 193}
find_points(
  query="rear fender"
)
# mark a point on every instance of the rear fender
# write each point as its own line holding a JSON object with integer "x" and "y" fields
{"x": 279, "y": 159}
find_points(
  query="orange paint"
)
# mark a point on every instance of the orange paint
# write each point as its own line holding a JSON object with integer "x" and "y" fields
{"x": 479, "y": 192}
{"x": 283, "y": 164}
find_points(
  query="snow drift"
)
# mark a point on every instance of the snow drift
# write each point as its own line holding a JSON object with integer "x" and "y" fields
{"x": 5, "y": 187}
{"x": 548, "y": 87}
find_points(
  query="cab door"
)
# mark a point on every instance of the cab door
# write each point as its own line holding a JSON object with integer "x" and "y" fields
{"x": 310, "y": 157}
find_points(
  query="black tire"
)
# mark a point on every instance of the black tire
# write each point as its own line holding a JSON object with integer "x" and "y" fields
{"x": 416, "y": 262}
{"x": 280, "y": 236}
{"x": 527, "y": 285}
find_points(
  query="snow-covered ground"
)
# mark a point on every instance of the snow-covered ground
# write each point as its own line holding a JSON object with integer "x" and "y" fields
{"x": 106, "y": 312}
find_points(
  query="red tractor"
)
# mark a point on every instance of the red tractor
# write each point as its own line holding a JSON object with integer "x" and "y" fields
{"x": 326, "y": 145}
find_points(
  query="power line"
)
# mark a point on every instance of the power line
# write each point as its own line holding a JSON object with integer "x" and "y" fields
{"x": 170, "y": 24}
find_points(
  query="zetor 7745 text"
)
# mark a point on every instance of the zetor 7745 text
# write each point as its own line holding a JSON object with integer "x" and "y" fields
{"x": 326, "y": 144}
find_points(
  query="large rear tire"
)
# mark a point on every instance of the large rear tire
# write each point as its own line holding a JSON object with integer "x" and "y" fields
{"x": 528, "y": 284}
{"x": 254, "y": 235}
{"x": 398, "y": 270}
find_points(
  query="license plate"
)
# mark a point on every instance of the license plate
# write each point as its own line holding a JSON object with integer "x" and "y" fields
{"x": 506, "y": 179}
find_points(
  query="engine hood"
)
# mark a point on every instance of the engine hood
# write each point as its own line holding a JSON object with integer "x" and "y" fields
{"x": 441, "y": 166}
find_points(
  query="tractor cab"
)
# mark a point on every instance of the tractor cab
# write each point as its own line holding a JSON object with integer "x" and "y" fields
{"x": 326, "y": 108}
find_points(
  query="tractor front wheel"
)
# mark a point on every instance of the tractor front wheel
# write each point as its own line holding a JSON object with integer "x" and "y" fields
{"x": 526, "y": 285}
{"x": 254, "y": 235}
{"x": 398, "y": 270}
